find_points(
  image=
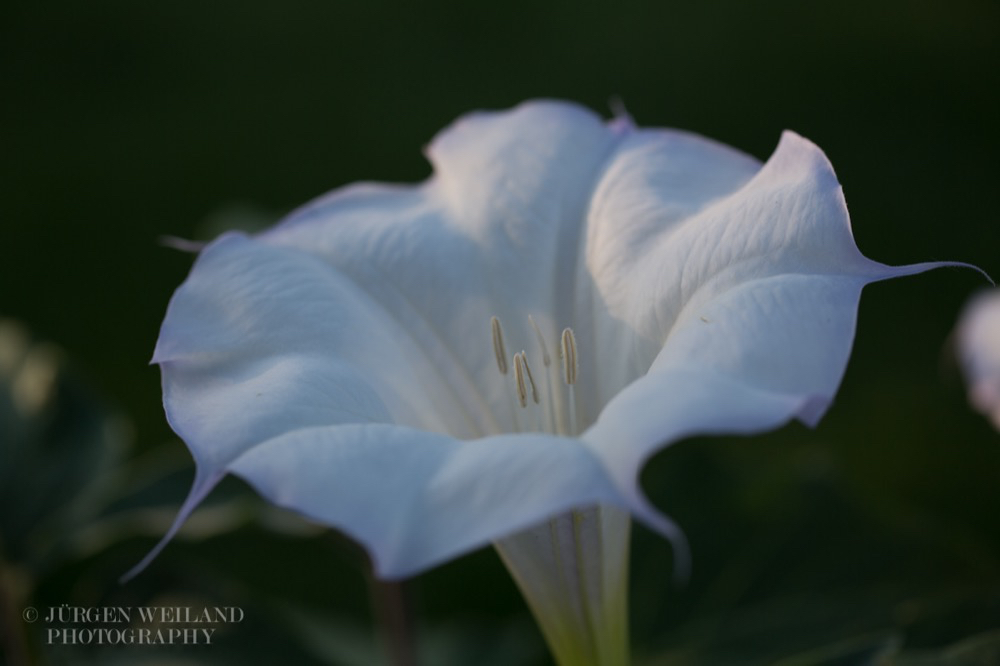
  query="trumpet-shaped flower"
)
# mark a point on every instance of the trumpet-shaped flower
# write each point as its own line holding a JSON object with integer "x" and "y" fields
{"x": 491, "y": 355}
{"x": 978, "y": 338}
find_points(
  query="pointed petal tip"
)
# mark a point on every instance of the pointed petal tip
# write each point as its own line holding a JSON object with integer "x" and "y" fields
{"x": 800, "y": 155}
{"x": 792, "y": 136}
{"x": 651, "y": 517}
{"x": 202, "y": 485}
{"x": 149, "y": 557}
{"x": 813, "y": 408}
{"x": 682, "y": 557}
{"x": 792, "y": 140}
{"x": 885, "y": 272}
{"x": 182, "y": 244}
{"x": 621, "y": 120}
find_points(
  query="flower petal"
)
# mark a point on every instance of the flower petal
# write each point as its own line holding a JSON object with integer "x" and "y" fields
{"x": 657, "y": 181}
{"x": 261, "y": 340}
{"x": 750, "y": 316}
{"x": 414, "y": 498}
{"x": 495, "y": 232}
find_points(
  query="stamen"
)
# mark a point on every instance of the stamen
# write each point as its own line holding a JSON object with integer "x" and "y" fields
{"x": 541, "y": 342}
{"x": 498, "y": 346}
{"x": 559, "y": 411}
{"x": 531, "y": 380}
{"x": 522, "y": 390}
{"x": 569, "y": 356}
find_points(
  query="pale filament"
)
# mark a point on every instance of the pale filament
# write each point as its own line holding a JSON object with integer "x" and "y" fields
{"x": 541, "y": 341}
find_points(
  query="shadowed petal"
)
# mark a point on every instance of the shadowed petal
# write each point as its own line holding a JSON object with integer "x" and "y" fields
{"x": 262, "y": 340}
{"x": 414, "y": 498}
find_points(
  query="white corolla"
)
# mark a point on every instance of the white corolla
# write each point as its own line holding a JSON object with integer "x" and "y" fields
{"x": 492, "y": 354}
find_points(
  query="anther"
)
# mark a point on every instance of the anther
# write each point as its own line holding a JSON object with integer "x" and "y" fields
{"x": 498, "y": 347}
{"x": 541, "y": 342}
{"x": 522, "y": 390}
{"x": 569, "y": 356}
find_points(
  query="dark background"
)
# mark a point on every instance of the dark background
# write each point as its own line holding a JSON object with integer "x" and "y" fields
{"x": 123, "y": 122}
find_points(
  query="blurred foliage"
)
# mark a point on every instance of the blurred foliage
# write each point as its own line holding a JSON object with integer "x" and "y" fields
{"x": 57, "y": 449}
{"x": 870, "y": 540}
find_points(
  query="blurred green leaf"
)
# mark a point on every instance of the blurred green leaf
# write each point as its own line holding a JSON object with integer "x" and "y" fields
{"x": 59, "y": 448}
{"x": 979, "y": 650}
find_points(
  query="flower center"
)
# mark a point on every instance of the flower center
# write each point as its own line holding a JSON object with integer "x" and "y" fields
{"x": 552, "y": 409}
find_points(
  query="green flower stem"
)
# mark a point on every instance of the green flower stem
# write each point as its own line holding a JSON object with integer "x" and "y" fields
{"x": 573, "y": 572}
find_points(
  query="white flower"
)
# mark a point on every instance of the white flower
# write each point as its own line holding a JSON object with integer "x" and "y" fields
{"x": 978, "y": 338}
{"x": 646, "y": 284}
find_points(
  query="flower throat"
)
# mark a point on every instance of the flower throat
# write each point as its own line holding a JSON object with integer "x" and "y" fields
{"x": 554, "y": 409}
